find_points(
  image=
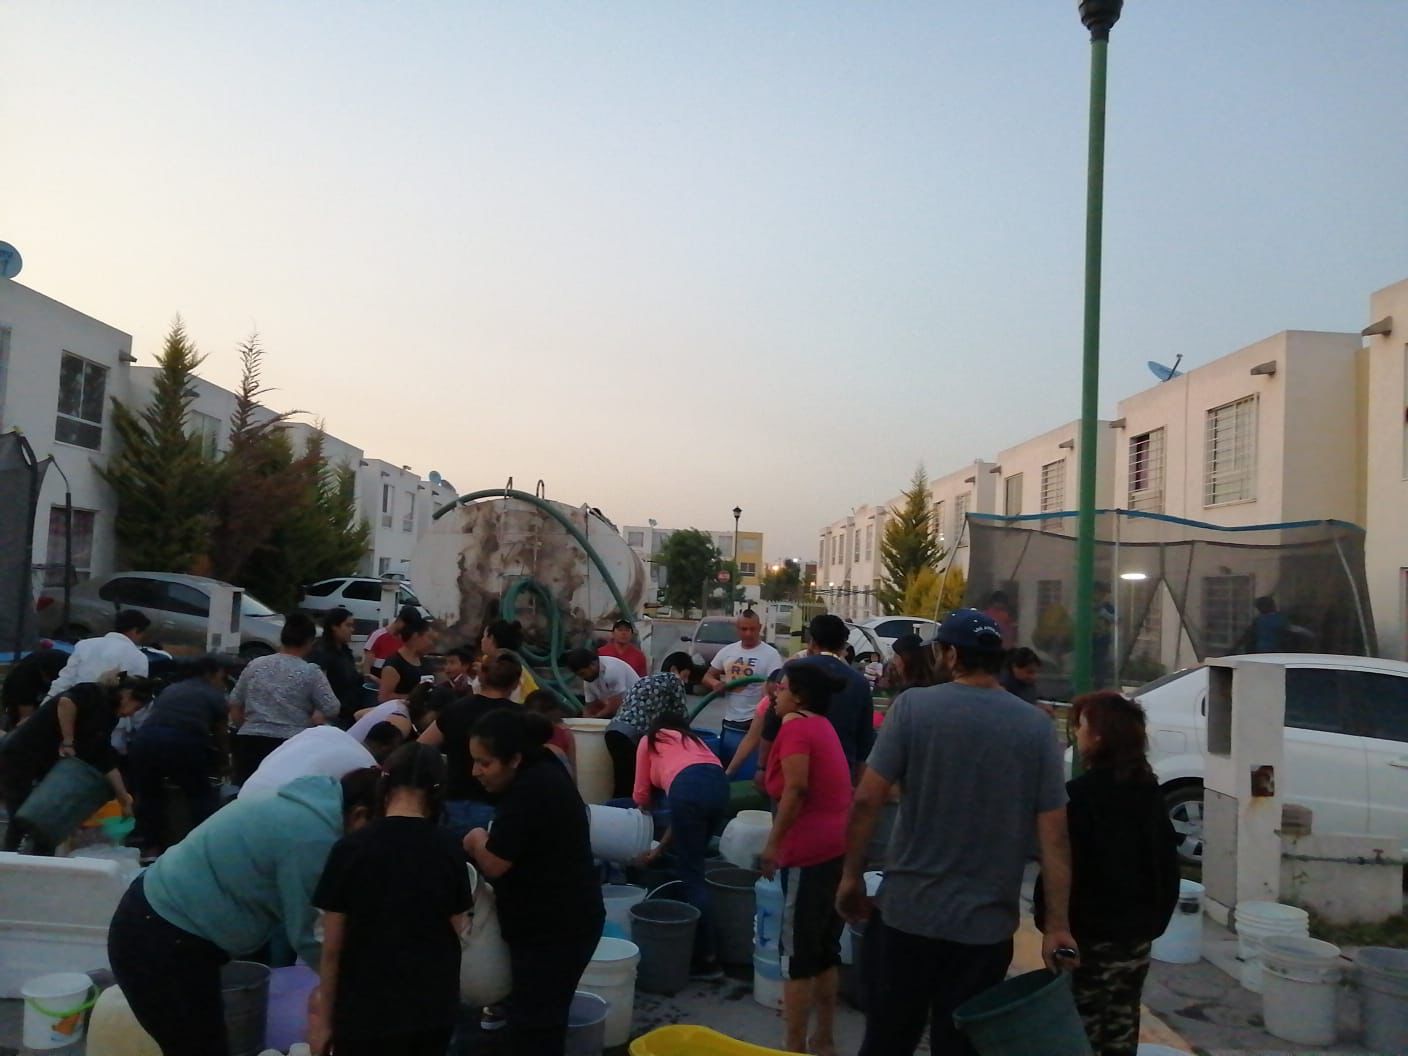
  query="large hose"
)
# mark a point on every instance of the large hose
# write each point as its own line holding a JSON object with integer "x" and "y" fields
{"x": 554, "y": 681}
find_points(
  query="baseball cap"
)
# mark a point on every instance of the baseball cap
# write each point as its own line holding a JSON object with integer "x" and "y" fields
{"x": 907, "y": 643}
{"x": 970, "y": 629}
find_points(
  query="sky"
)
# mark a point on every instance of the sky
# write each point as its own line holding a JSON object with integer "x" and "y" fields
{"x": 676, "y": 257}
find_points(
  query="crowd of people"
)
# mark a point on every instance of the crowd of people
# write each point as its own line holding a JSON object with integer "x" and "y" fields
{"x": 363, "y": 790}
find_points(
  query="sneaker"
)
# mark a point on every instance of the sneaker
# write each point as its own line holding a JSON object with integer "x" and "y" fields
{"x": 492, "y": 1018}
{"x": 706, "y": 971}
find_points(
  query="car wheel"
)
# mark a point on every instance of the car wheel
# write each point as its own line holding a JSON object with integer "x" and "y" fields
{"x": 250, "y": 650}
{"x": 1184, "y": 802}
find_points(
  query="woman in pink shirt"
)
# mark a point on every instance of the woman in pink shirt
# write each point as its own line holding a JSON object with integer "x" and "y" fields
{"x": 672, "y": 758}
{"x": 809, "y": 777}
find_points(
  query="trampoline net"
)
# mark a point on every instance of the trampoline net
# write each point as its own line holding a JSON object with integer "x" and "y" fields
{"x": 1171, "y": 592}
{"x": 20, "y": 477}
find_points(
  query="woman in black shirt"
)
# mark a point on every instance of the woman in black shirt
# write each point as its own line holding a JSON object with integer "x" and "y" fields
{"x": 405, "y": 668}
{"x": 539, "y": 859}
{"x": 333, "y": 653}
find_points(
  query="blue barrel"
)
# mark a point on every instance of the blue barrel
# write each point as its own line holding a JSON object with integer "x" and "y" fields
{"x": 1027, "y": 1014}
{"x": 729, "y": 740}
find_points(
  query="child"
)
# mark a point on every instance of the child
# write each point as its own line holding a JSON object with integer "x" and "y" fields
{"x": 460, "y": 671}
{"x": 1124, "y": 867}
{"x": 561, "y": 744}
{"x": 394, "y": 896}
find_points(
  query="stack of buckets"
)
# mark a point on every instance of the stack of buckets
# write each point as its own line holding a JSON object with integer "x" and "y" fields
{"x": 1257, "y": 921}
{"x": 767, "y": 965}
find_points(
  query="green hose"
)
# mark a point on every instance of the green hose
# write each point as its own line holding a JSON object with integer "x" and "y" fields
{"x": 727, "y": 687}
{"x": 559, "y": 684}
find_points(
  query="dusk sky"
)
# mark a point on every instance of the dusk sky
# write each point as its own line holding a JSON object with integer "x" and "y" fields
{"x": 675, "y": 257}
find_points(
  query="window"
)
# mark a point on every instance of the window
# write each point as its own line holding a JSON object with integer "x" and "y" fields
{"x": 870, "y": 541}
{"x": 938, "y": 525}
{"x": 960, "y": 515}
{"x": 388, "y": 506}
{"x": 82, "y": 386}
{"x": 321, "y": 590}
{"x": 132, "y": 591}
{"x": 747, "y": 568}
{"x": 1315, "y": 699}
{"x": 186, "y": 600}
{"x": 83, "y": 521}
{"x": 895, "y": 628}
{"x": 1380, "y": 703}
{"x": 1146, "y": 471}
{"x": 635, "y": 539}
{"x": 1053, "y": 486}
{"x": 363, "y": 589}
{"x": 408, "y": 522}
{"x": 405, "y": 597}
{"x": 1230, "y": 470}
{"x": 383, "y": 566}
{"x": 1012, "y": 495}
{"x": 207, "y": 428}
{"x": 855, "y": 535}
{"x": 1227, "y": 608}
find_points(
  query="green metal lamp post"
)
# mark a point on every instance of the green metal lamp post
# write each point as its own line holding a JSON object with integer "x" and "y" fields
{"x": 1099, "y": 16}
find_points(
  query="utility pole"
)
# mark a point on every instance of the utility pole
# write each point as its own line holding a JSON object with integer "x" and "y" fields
{"x": 732, "y": 580}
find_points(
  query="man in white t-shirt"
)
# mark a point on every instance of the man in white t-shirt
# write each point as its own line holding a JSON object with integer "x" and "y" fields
{"x": 749, "y": 656}
{"x": 605, "y": 680}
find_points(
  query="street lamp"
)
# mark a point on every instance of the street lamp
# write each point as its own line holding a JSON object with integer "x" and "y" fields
{"x": 733, "y": 579}
{"x": 1099, "y": 17}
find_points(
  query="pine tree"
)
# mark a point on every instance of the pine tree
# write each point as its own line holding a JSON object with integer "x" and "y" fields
{"x": 908, "y": 545}
{"x": 933, "y": 594}
{"x": 162, "y": 475}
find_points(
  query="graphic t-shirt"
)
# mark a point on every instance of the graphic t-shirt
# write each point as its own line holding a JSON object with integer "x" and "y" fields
{"x": 737, "y": 662}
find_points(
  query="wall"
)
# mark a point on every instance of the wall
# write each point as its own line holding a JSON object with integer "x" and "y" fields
{"x": 1386, "y": 468}
{"x": 979, "y": 484}
{"x": 398, "y": 522}
{"x": 1062, "y": 444}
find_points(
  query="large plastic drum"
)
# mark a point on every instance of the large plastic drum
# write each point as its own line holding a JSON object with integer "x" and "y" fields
{"x": 596, "y": 779}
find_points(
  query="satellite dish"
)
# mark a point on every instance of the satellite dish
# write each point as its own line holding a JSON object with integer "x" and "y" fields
{"x": 10, "y": 261}
{"x": 434, "y": 477}
{"x": 1164, "y": 373}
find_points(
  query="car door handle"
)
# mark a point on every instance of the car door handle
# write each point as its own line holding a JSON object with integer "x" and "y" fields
{"x": 1402, "y": 764}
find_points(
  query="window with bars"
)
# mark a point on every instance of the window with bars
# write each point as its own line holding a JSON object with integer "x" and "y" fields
{"x": 1229, "y": 473}
{"x": 960, "y": 514}
{"x": 1012, "y": 495}
{"x": 855, "y": 549}
{"x": 1053, "y": 486}
{"x": 1227, "y": 612}
{"x": 1146, "y": 471}
{"x": 82, "y": 390}
{"x": 938, "y": 525}
{"x": 747, "y": 569}
{"x": 870, "y": 541}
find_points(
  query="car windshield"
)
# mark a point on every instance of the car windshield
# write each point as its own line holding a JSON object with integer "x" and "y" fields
{"x": 252, "y": 606}
{"x": 1173, "y": 676}
{"x": 717, "y": 634}
{"x": 405, "y": 597}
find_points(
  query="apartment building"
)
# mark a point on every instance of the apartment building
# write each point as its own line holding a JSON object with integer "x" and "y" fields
{"x": 849, "y": 567}
{"x": 648, "y": 539}
{"x": 1384, "y": 401}
{"x": 952, "y": 497}
{"x": 1042, "y": 475}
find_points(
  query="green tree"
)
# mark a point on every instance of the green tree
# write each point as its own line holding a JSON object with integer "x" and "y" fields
{"x": 908, "y": 546}
{"x": 783, "y": 583}
{"x": 162, "y": 475}
{"x": 930, "y": 591}
{"x": 689, "y": 557}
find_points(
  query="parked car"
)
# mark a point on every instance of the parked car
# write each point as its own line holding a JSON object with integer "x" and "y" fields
{"x": 178, "y": 606}
{"x": 885, "y": 629}
{"x": 710, "y": 635}
{"x": 1346, "y": 744}
{"x": 359, "y": 595}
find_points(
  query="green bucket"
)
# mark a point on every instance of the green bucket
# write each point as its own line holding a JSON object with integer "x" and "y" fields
{"x": 70, "y": 793}
{"x": 1028, "y": 1015}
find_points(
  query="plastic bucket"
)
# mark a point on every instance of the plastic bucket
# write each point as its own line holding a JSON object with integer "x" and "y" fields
{"x": 618, "y": 834}
{"x": 611, "y": 975}
{"x": 595, "y": 777}
{"x": 1182, "y": 940}
{"x": 1260, "y": 920}
{"x": 744, "y": 837}
{"x": 767, "y": 916}
{"x": 729, "y": 740}
{"x": 586, "y": 1025}
{"x": 244, "y": 990}
{"x": 767, "y": 980}
{"x": 1300, "y": 981}
{"x": 286, "y": 1021}
{"x": 56, "y": 1007}
{"x": 59, "y": 804}
{"x": 663, "y": 929}
{"x": 734, "y": 903}
{"x": 619, "y": 898}
{"x": 1383, "y": 988}
{"x": 1026, "y": 1014}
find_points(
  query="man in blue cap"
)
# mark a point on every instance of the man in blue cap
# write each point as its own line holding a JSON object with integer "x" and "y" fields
{"x": 979, "y": 769}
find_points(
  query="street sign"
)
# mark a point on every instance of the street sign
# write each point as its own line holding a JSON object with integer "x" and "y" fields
{"x": 723, "y": 575}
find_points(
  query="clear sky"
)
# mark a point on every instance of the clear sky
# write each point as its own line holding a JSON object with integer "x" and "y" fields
{"x": 673, "y": 257}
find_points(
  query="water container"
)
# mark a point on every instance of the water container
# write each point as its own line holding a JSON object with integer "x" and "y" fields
{"x": 69, "y": 793}
{"x": 611, "y": 975}
{"x": 286, "y": 1022}
{"x": 1258, "y": 920}
{"x": 56, "y": 1009}
{"x": 596, "y": 779}
{"x": 586, "y": 1025}
{"x": 767, "y": 918}
{"x": 1182, "y": 940}
{"x": 244, "y": 990}
{"x": 619, "y": 835}
{"x": 1300, "y": 981}
{"x": 619, "y": 898}
{"x": 1383, "y": 987}
{"x": 485, "y": 973}
{"x": 664, "y": 931}
{"x": 734, "y": 904}
{"x": 729, "y": 740}
{"x": 711, "y": 741}
{"x": 1027, "y": 1014}
{"x": 745, "y": 837}
{"x": 114, "y": 1031}
{"x": 767, "y": 980}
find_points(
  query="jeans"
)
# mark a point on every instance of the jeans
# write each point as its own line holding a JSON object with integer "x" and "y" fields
{"x": 911, "y": 979}
{"x": 171, "y": 978}
{"x": 546, "y": 973}
{"x": 461, "y": 815}
{"x": 162, "y": 755}
{"x": 698, "y": 800}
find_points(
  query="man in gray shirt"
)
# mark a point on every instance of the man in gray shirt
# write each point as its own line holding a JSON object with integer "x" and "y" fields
{"x": 278, "y": 697}
{"x": 979, "y": 769}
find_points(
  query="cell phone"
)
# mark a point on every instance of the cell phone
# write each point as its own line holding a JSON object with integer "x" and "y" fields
{"x": 1067, "y": 953}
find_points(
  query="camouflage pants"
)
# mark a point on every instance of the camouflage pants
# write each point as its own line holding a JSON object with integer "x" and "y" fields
{"x": 1108, "y": 986}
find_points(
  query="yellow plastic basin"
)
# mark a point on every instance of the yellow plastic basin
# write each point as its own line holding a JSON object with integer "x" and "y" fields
{"x": 695, "y": 1041}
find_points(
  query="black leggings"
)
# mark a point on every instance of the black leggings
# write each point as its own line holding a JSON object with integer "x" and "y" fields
{"x": 247, "y": 751}
{"x": 545, "y": 979}
{"x": 421, "y": 1043}
{"x": 171, "y": 978}
{"x": 623, "y": 763}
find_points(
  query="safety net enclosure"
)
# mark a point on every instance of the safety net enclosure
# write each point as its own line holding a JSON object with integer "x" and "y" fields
{"x": 1171, "y": 592}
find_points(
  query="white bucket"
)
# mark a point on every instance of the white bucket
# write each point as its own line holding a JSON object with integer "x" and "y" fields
{"x": 1259, "y": 920}
{"x": 611, "y": 975}
{"x": 619, "y": 899}
{"x": 745, "y": 837}
{"x": 619, "y": 834}
{"x": 1383, "y": 987}
{"x": 1300, "y": 981}
{"x": 596, "y": 779}
{"x": 55, "y": 1009}
{"x": 872, "y": 882}
{"x": 767, "y": 981}
{"x": 1182, "y": 940}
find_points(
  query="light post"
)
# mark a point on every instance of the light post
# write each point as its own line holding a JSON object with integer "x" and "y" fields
{"x": 1099, "y": 17}
{"x": 733, "y": 579}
